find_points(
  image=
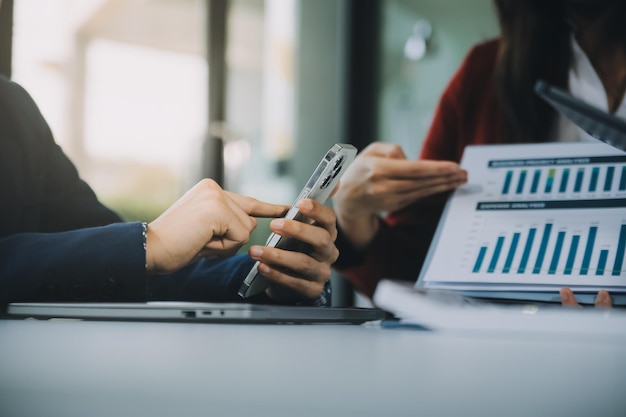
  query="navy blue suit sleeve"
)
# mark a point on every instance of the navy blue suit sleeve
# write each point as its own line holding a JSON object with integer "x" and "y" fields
{"x": 95, "y": 264}
{"x": 216, "y": 280}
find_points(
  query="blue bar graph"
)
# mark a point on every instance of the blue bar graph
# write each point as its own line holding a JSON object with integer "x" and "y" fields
{"x": 515, "y": 180}
{"x": 496, "y": 255}
{"x": 535, "y": 184}
{"x": 608, "y": 180}
{"x": 565, "y": 212}
{"x": 511, "y": 254}
{"x": 542, "y": 248}
{"x": 520, "y": 184}
{"x": 507, "y": 182}
{"x": 556, "y": 255}
{"x": 619, "y": 255}
{"x": 527, "y": 248}
{"x": 593, "y": 184}
{"x": 479, "y": 260}
{"x": 591, "y": 240}
{"x": 604, "y": 254}
{"x": 550, "y": 180}
{"x": 564, "y": 178}
{"x": 580, "y": 173}
{"x": 571, "y": 256}
{"x": 556, "y": 247}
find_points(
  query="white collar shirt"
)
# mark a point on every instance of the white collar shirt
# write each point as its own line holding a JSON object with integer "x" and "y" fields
{"x": 585, "y": 84}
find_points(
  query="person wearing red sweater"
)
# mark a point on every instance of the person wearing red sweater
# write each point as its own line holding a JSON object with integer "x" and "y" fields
{"x": 575, "y": 44}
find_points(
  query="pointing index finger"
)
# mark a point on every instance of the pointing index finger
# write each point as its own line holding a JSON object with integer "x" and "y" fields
{"x": 258, "y": 208}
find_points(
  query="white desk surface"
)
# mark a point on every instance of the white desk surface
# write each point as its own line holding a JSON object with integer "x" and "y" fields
{"x": 71, "y": 368}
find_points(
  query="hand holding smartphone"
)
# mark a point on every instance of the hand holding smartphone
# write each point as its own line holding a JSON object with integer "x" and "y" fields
{"x": 319, "y": 187}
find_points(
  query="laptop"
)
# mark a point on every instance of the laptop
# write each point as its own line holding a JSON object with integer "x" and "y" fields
{"x": 190, "y": 312}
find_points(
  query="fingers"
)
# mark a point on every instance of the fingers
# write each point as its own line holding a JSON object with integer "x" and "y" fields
{"x": 385, "y": 150}
{"x": 414, "y": 169}
{"x": 394, "y": 194}
{"x": 603, "y": 299}
{"x": 277, "y": 266}
{"x": 416, "y": 188}
{"x": 567, "y": 298}
{"x": 257, "y": 208}
{"x": 374, "y": 184}
{"x": 320, "y": 236}
{"x": 323, "y": 216}
{"x": 205, "y": 222}
{"x": 295, "y": 274}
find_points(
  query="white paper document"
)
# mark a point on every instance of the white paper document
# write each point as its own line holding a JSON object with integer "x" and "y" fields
{"x": 442, "y": 311}
{"x": 534, "y": 217}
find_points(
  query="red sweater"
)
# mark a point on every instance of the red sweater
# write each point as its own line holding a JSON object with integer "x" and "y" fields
{"x": 467, "y": 113}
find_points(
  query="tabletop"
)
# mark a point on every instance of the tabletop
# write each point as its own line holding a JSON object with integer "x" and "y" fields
{"x": 80, "y": 368}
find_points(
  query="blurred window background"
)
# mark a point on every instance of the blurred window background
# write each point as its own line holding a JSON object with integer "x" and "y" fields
{"x": 123, "y": 85}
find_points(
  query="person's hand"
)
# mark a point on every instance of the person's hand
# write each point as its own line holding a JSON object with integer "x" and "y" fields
{"x": 296, "y": 275}
{"x": 205, "y": 222}
{"x": 381, "y": 178}
{"x": 603, "y": 299}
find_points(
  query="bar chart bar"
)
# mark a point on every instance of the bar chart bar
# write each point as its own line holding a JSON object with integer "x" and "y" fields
{"x": 571, "y": 256}
{"x": 542, "y": 248}
{"x": 511, "y": 254}
{"x": 520, "y": 184}
{"x": 507, "y": 182}
{"x": 550, "y": 180}
{"x": 557, "y": 253}
{"x": 496, "y": 255}
{"x": 535, "y": 184}
{"x": 604, "y": 254}
{"x": 591, "y": 239}
{"x": 619, "y": 255}
{"x": 608, "y": 181}
{"x": 622, "y": 180}
{"x": 480, "y": 259}
{"x": 527, "y": 248}
{"x": 580, "y": 173}
{"x": 564, "y": 179}
{"x": 593, "y": 184}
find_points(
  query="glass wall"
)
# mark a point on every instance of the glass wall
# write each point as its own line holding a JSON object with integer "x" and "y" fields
{"x": 260, "y": 98}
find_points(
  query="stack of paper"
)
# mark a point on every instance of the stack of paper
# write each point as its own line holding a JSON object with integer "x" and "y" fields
{"x": 444, "y": 310}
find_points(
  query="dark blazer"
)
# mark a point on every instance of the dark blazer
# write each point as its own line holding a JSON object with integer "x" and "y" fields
{"x": 59, "y": 243}
{"x": 41, "y": 189}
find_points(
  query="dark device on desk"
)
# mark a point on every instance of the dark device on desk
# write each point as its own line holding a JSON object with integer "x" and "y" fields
{"x": 190, "y": 312}
{"x": 599, "y": 124}
{"x": 319, "y": 187}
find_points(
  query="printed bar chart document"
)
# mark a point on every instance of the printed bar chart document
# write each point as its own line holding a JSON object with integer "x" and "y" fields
{"x": 534, "y": 217}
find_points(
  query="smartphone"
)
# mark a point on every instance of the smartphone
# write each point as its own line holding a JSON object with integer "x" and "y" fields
{"x": 318, "y": 188}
